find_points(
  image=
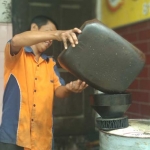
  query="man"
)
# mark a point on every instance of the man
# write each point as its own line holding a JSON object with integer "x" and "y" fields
{"x": 31, "y": 79}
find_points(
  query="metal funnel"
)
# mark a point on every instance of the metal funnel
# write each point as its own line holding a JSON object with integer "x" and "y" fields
{"x": 110, "y": 105}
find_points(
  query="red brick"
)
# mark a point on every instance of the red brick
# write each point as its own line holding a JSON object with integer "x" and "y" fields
{"x": 123, "y": 30}
{"x": 145, "y": 109}
{"x": 145, "y": 117}
{"x": 139, "y": 35}
{"x": 144, "y": 73}
{"x": 134, "y": 116}
{"x": 148, "y": 66}
{"x": 143, "y": 47}
{"x": 144, "y": 35}
{"x": 134, "y": 85}
{"x": 148, "y": 59}
{"x": 148, "y": 23}
{"x": 131, "y": 37}
{"x": 144, "y": 84}
{"x": 148, "y": 47}
{"x": 140, "y": 97}
{"x": 134, "y": 108}
{"x": 139, "y": 26}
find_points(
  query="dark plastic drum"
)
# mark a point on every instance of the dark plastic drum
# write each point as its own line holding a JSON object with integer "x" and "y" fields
{"x": 103, "y": 59}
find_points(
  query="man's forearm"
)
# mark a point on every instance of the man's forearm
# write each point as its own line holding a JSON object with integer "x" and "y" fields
{"x": 30, "y": 38}
{"x": 62, "y": 92}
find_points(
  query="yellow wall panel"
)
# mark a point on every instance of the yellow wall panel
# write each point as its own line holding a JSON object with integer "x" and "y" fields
{"x": 129, "y": 11}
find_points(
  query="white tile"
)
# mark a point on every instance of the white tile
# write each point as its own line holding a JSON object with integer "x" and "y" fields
{"x": 3, "y": 31}
{"x": 1, "y": 65}
{"x": 9, "y": 31}
{"x": 1, "y": 97}
{"x": 5, "y": 34}
{"x": 3, "y": 42}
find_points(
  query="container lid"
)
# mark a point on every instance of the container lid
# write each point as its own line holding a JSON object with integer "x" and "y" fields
{"x": 137, "y": 128}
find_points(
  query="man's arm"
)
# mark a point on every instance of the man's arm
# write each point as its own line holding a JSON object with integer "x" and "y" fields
{"x": 29, "y": 38}
{"x": 72, "y": 87}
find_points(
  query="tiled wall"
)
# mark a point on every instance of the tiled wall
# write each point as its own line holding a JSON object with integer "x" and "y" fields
{"x": 139, "y": 35}
{"x": 5, "y": 35}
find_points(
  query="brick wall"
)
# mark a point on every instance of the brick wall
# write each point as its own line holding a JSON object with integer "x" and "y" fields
{"x": 139, "y": 35}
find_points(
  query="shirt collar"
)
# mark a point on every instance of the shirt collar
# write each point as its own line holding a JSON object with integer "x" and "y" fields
{"x": 28, "y": 49}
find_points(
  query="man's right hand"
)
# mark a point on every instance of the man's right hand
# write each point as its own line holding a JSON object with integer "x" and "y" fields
{"x": 68, "y": 35}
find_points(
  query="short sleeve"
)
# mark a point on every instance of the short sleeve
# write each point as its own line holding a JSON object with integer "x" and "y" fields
{"x": 9, "y": 59}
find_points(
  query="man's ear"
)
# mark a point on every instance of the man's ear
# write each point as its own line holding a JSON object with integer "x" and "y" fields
{"x": 34, "y": 27}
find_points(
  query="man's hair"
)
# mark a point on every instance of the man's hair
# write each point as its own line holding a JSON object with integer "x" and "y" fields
{"x": 42, "y": 20}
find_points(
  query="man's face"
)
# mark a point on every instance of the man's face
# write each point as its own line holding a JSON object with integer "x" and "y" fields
{"x": 41, "y": 47}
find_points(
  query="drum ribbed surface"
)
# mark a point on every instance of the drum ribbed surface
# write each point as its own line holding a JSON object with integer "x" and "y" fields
{"x": 111, "y": 124}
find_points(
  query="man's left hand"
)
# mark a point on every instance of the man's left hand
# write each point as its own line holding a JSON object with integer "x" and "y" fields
{"x": 76, "y": 86}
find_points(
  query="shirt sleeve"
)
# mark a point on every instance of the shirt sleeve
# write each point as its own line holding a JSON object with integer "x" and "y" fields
{"x": 9, "y": 59}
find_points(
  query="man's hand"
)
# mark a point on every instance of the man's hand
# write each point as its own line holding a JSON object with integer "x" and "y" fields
{"x": 68, "y": 35}
{"x": 76, "y": 86}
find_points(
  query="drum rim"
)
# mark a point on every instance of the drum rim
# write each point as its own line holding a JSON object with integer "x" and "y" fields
{"x": 108, "y": 132}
